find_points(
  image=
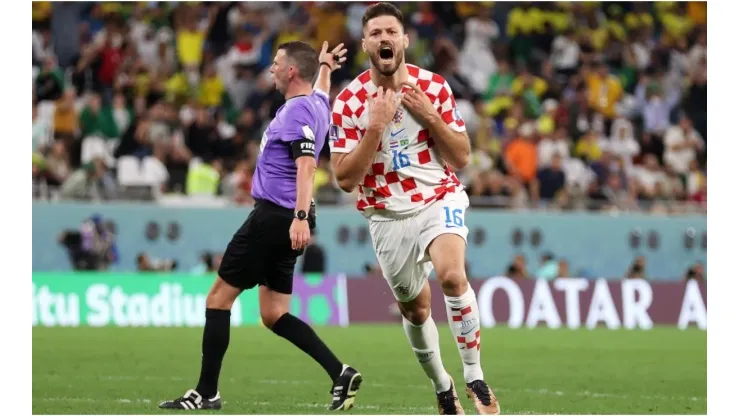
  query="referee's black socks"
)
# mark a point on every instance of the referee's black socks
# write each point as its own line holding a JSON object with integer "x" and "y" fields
{"x": 304, "y": 337}
{"x": 215, "y": 342}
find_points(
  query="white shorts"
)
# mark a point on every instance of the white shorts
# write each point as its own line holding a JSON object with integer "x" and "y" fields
{"x": 401, "y": 245}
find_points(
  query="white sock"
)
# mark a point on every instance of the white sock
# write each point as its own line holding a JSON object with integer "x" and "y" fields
{"x": 424, "y": 341}
{"x": 462, "y": 313}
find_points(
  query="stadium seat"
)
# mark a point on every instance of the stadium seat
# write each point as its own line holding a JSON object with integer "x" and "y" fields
{"x": 129, "y": 171}
{"x": 153, "y": 172}
{"x": 94, "y": 147}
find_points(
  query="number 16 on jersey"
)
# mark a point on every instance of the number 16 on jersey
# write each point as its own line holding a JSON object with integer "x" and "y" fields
{"x": 400, "y": 159}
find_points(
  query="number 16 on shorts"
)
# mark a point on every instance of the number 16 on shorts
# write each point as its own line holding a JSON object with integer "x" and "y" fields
{"x": 454, "y": 217}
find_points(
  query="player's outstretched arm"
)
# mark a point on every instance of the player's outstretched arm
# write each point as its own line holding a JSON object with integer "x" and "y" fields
{"x": 350, "y": 168}
{"x": 453, "y": 142}
{"x": 328, "y": 63}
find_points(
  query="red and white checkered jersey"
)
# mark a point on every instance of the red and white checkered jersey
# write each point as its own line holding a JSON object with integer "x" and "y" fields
{"x": 408, "y": 172}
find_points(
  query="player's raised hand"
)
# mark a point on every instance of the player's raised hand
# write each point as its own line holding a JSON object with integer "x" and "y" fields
{"x": 382, "y": 108}
{"x": 335, "y": 58}
{"x": 418, "y": 104}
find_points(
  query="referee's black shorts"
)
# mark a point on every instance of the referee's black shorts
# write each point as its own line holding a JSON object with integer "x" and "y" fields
{"x": 260, "y": 252}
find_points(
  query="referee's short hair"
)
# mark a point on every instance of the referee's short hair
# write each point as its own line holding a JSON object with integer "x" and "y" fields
{"x": 304, "y": 56}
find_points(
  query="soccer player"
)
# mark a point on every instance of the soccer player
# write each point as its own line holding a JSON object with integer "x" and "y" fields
{"x": 396, "y": 134}
{"x": 264, "y": 250}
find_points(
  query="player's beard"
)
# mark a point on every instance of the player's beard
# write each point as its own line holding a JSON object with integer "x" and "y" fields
{"x": 387, "y": 69}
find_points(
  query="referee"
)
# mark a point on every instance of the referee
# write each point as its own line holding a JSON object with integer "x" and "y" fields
{"x": 264, "y": 250}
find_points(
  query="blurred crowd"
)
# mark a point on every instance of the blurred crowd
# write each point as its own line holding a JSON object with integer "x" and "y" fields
{"x": 550, "y": 267}
{"x": 593, "y": 105}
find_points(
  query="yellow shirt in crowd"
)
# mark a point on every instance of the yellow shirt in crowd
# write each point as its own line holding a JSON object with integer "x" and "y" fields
{"x": 603, "y": 94}
{"x": 40, "y": 10}
{"x": 588, "y": 148}
{"x": 638, "y": 20}
{"x": 211, "y": 91}
{"x": 330, "y": 24}
{"x": 525, "y": 22}
{"x": 539, "y": 86}
{"x": 190, "y": 47}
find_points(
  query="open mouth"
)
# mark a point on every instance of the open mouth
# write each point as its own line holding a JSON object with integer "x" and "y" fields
{"x": 386, "y": 53}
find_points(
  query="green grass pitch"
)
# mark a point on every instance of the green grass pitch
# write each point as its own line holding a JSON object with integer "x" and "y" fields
{"x": 129, "y": 370}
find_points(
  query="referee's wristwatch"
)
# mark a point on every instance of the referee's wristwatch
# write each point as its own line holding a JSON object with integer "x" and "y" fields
{"x": 301, "y": 215}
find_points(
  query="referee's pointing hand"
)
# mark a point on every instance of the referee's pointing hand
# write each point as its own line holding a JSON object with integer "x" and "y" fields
{"x": 299, "y": 234}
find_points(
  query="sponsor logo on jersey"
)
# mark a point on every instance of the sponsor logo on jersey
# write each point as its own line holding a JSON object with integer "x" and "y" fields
{"x": 396, "y": 133}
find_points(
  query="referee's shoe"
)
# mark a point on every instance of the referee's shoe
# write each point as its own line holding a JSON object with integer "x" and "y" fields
{"x": 345, "y": 389}
{"x": 192, "y": 400}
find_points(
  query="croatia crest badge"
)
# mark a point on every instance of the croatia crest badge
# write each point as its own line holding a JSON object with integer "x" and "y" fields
{"x": 398, "y": 117}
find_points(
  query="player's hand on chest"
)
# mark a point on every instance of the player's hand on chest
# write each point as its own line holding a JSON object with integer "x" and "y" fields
{"x": 403, "y": 129}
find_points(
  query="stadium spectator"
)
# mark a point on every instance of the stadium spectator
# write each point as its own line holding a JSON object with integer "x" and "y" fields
{"x": 477, "y": 53}
{"x": 604, "y": 90}
{"x": 49, "y": 83}
{"x": 207, "y": 264}
{"x": 42, "y": 131}
{"x": 563, "y": 269}
{"x": 548, "y": 269}
{"x": 144, "y": 263}
{"x": 650, "y": 179}
{"x": 566, "y": 53}
{"x": 92, "y": 246}
{"x": 552, "y": 145}
{"x": 57, "y": 165}
{"x": 238, "y": 184}
{"x": 622, "y": 144}
{"x": 589, "y": 147}
{"x": 656, "y": 105}
{"x": 682, "y": 143}
{"x": 518, "y": 268}
{"x": 66, "y": 123}
{"x": 521, "y": 155}
{"x": 695, "y": 272}
{"x": 637, "y": 269}
{"x": 550, "y": 181}
{"x": 615, "y": 194}
{"x": 204, "y": 178}
{"x": 89, "y": 180}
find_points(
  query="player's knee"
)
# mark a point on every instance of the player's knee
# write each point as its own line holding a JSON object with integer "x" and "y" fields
{"x": 454, "y": 282}
{"x": 418, "y": 317}
{"x": 270, "y": 315}
{"x": 222, "y": 295}
{"x": 219, "y": 300}
{"x": 416, "y": 314}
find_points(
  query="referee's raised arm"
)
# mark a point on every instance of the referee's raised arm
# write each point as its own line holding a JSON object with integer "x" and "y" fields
{"x": 304, "y": 150}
